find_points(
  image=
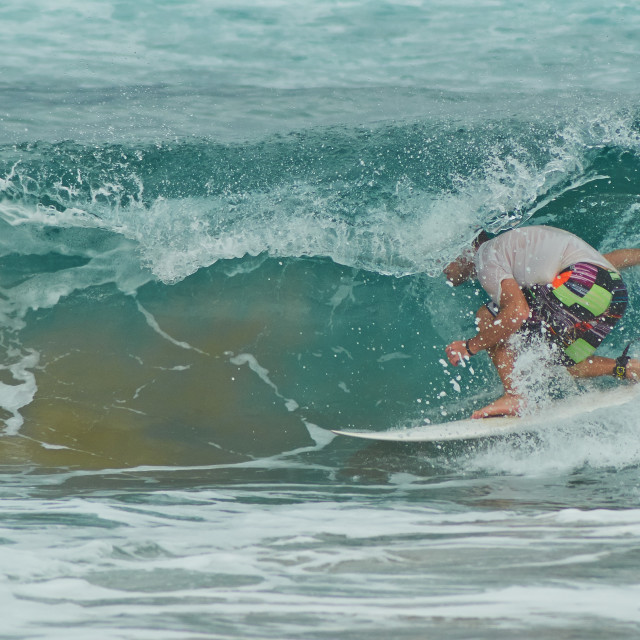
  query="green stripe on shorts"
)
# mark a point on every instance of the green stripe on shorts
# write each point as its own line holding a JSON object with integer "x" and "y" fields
{"x": 597, "y": 300}
{"x": 579, "y": 350}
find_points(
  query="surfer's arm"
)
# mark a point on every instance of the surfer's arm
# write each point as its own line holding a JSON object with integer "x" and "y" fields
{"x": 514, "y": 310}
{"x": 623, "y": 258}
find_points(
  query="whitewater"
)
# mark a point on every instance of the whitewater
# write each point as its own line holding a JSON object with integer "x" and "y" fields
{"x": 222, "y": 233}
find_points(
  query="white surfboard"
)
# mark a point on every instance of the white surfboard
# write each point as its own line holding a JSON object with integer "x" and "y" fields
{"x": 485, "y": 427}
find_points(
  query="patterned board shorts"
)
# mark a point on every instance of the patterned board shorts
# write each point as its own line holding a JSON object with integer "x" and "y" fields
{"x": 576, "y": 311}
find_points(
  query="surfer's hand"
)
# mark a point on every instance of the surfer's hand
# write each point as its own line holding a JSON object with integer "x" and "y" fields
{"x": 456, "y": 352}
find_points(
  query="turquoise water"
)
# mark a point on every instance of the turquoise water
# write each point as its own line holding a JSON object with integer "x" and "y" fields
{"x": 222, "y": 229}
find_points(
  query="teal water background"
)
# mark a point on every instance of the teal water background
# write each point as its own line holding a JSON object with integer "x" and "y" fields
{"x": 222, "y": 229}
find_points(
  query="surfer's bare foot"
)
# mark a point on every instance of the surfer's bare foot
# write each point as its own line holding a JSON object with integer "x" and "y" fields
{"x": 507, "y": 405}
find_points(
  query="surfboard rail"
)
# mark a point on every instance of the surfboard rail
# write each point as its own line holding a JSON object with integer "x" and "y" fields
{"x": 473, "y": 429}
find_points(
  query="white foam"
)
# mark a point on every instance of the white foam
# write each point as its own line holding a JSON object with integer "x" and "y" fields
{"x": 15, "y": 396}
{"x": 349, "y": 565}
{"x": 396, "y": 355}
{"x": 603, "y": 440}
{"x": 153, "y": 323}
{"x": 263, "y": 374}
{"x": 606, "y": 517}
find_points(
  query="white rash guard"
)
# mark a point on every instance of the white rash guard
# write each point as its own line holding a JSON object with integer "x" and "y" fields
{"x": 531, "y": 255}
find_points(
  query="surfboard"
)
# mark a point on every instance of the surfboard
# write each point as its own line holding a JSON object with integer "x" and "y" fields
{"x": 468, "y": 429}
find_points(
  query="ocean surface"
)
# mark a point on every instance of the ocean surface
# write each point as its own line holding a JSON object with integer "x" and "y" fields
{"x": 222, "y": 230}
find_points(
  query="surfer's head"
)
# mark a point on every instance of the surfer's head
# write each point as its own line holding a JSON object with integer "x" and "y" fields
{"x": 463, "y": 267}
{"x": 481, "y": 238}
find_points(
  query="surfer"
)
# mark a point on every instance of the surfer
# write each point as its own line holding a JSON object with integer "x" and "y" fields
{"x": 548, "y": 282}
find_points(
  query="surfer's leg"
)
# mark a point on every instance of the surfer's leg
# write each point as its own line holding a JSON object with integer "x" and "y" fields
{"x": 503, "y": 358}
{"x": 501, "y": 354}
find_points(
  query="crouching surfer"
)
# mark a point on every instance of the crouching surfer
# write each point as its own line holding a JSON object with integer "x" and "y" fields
{"x": 549, "y": 282}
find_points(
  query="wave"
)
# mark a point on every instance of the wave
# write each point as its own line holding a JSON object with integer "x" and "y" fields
{"x": 311, "y": 257}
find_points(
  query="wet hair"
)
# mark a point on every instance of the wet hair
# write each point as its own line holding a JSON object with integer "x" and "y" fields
{"x": 481, "y": 238}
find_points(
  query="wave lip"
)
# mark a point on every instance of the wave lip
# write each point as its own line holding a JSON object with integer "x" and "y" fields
{"x": 396, "y": 199}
